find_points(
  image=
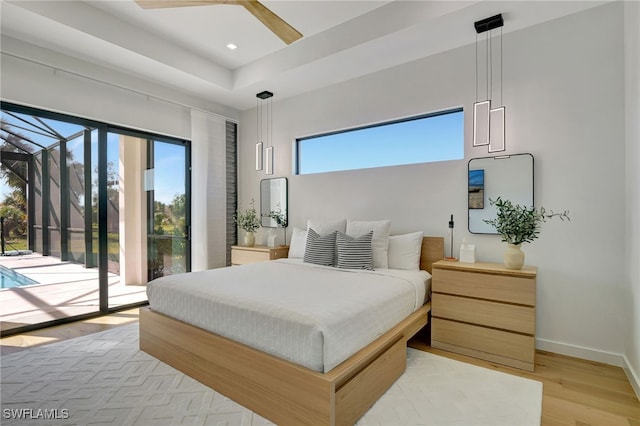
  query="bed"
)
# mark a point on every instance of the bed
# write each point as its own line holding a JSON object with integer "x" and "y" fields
{"x": 321, "y": 388}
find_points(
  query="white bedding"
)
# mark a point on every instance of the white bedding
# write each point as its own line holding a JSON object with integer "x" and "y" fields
{"x": 315, "y": 316}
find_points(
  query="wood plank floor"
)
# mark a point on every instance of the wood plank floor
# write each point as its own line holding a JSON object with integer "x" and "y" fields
{"x": 576, "y": 392}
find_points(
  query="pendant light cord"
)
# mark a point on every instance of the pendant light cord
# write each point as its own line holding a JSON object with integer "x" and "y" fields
{"x": 490, "y": 50}
{"x": 261, "y": 119}
{"x": 476, "y": 67}
{"x": 270, "y": 122}
{"x": 487, "y": 65}
{"x": 501, "y": 103}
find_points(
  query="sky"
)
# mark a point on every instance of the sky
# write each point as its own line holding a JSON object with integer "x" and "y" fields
{"x": 428, "y": 139}
{"x": 169, "y": 175}
{"x": 4, "y": 190}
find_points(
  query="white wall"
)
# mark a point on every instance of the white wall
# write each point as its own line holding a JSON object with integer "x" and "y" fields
{"x": 632, "y": 189}
{"x": 133, "y": 210}
{"x": 38, "y": 77}
{"x": 564, "y": 92}
{"x": 32, "y": 76}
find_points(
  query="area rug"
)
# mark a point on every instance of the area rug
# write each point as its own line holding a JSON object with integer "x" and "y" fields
{"x": 104, "y": 379}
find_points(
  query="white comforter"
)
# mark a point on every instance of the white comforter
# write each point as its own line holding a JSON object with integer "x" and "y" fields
{"x": 312, "y": 315}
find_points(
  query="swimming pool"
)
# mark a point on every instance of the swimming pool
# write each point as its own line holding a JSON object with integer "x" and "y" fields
{"x": 10, "y": 278}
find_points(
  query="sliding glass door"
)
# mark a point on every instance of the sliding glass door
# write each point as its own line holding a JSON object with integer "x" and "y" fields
{"x": 90, "y": 214}
{"x": 168, "y": 222}
{"x": 48, "y": 270}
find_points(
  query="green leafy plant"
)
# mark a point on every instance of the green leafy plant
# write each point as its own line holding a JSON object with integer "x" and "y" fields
{"x": 518, "y": 224}
{"x": 279, "y": 217}
{"x": 247, "y": 219}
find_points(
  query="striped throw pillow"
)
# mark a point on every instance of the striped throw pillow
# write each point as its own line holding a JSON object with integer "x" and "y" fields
{"x": 355, "y": 252}
{"x": 320, "y": 249}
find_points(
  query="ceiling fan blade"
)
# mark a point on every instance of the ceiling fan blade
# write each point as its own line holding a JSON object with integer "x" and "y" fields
{"x": 277, "y": 25}
{"x": 159, "y": 4}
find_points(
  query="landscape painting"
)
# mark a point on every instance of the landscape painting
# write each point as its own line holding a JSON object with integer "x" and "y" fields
{"x": 476, "y": 189}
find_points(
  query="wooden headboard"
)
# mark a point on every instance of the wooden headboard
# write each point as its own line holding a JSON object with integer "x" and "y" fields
{"x": 432, "y": 251}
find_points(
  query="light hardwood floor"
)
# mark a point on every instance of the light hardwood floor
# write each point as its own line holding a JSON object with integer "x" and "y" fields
{"x": 576, "y": 392}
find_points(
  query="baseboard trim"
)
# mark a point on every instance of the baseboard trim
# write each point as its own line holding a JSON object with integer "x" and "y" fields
{"x": 590, "y": 354}
{"x": 632, "y": 376}
{"x": 580, "y": 352}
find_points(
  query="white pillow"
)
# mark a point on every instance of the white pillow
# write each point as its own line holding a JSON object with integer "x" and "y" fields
{"x": 298, "y": 243}
{"x": 324, "y": 227}
{"x": 380, "y": 241}
{"x": 404, "y": 251}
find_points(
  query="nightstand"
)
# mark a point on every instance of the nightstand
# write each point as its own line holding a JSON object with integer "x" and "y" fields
{"x": 485, "y": 311}
{"x": 241, "y": 255}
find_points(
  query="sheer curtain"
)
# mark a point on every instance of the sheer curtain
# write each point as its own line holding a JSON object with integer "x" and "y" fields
{"x": 213, "y": 178}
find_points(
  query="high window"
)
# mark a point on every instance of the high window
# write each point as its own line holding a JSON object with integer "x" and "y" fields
{"x": 421, "y": 139}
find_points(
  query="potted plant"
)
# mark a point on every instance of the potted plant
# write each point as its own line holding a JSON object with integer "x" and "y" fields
{"x": 249, "y": 222}
{"x": 281, "y": 221}
{"x": 518, "y": 224}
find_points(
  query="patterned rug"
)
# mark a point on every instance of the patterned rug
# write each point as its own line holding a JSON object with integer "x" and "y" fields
{"x": 103, "y": 379}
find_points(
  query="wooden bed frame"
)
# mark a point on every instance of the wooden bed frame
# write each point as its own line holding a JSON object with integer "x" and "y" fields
{"x": 281, "y": 391}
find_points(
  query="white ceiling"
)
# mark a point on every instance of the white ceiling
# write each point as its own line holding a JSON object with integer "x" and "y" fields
{"x": 185, "y": 48}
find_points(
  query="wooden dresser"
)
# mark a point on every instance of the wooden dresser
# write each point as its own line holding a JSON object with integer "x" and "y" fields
{"x": 242, "y": 254}
{"x": 485, "y": 311}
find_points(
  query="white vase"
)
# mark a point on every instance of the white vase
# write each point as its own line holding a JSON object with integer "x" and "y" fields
{"x": 513, "y": 257}
{"x": 271, "y": 238}
{"x": 249, "y": 239}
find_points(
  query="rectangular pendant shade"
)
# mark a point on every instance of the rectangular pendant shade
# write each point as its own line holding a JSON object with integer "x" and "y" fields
{"x": 481, "y": 123}
{"x": 259, "y": 156}
{"x": 497, "y": 129}
{"x": 269, "y": 161}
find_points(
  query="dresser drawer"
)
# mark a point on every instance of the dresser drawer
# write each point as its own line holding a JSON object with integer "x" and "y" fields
{"x": 279, "y": 252}
{"x": 503, "y": 288}
{"x": 240, "y": 257}
{"x": 505, "y": 316}
{"x": 471, "y": 338}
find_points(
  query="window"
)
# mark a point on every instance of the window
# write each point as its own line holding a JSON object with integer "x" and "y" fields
{"x": 422, "y": 139}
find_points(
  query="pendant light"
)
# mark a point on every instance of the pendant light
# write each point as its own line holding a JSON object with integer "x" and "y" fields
{"x": 261, "y": 98}
{"x": 481, "y": 108}
{"x": 258, "y": 133}
{"x": 269, "y": 151}
{"x": 488, "y": 122}
{"x": 497, "y": 115}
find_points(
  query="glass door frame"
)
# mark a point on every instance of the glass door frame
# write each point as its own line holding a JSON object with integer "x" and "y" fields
{"x": 150, "y": 138}
{"x": 102, "y": 259}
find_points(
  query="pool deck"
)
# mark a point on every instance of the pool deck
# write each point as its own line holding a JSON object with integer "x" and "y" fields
{"x": 65, "y": 289}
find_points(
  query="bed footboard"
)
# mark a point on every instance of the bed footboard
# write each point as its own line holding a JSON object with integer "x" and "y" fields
{"x": 281, "y": 391}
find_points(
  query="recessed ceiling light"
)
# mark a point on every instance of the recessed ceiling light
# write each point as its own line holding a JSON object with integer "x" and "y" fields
{"x": 232, "y": 46}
